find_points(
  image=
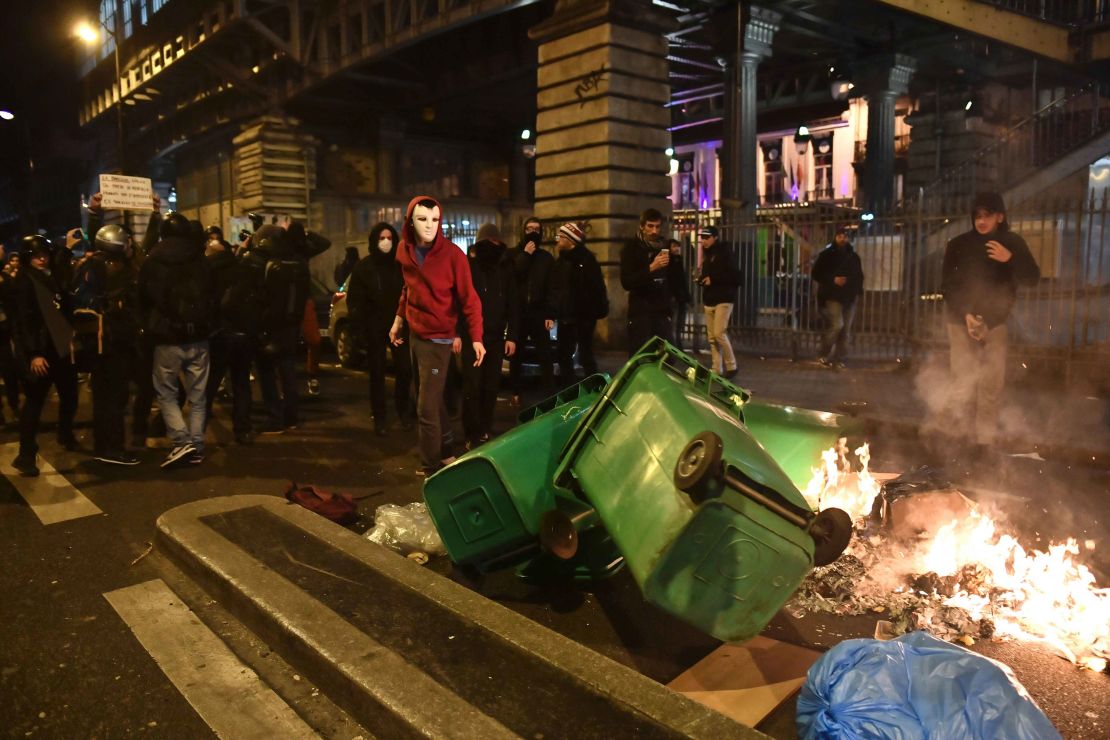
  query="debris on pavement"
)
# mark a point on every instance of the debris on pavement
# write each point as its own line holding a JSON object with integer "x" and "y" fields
{"x": 406, "y": 529}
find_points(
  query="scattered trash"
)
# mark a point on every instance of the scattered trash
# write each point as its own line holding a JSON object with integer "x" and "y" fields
{"x": 147, "y": 551}
{"x": 1029, "y": 456}
{"x": 406, "y": 529}
{"x": 420, "y": 558}
{"x": 339, "y": 507}
{"x": 915, "y": 686}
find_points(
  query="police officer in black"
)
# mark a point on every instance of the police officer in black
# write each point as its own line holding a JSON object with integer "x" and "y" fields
{"x": 42, "y": 334}
{"x": 105, "y": 295}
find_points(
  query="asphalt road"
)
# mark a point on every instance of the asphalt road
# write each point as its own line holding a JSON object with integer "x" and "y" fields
{"x": 70, "y": 667}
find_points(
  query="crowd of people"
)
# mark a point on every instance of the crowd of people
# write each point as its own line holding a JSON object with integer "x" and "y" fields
{"x": 178, "y": 314}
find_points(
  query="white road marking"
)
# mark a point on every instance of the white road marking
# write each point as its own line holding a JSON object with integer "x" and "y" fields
{"x": 227, "y": 694}
{"x": 50, "y": 495}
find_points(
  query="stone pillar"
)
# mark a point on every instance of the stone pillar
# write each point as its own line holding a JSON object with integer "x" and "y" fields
{"x": 882, "y": 80}
{"x": 754, "y": 39}
{"x": 601, "y": 128}
{"x": 275, "y": 168}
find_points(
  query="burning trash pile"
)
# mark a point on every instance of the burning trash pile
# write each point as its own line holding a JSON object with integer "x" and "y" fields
{"x": 924, "y": 557}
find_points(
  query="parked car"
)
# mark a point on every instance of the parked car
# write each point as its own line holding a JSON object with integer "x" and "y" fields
{"x": 348, "y": 346}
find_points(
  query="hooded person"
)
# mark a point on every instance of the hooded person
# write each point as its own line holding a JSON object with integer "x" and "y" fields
{"x": 42, "y": 335}
{"x": 580, "y": 299}
{"x": 373, "y": 291}
{"x": 177, "y": 300}
{"x": 438, "y": 293}
{"x": 533, "y": 266}
{"x": 495, "y": 281}
{"x": 981, "y": 273}
{"x": 838, "y": 273}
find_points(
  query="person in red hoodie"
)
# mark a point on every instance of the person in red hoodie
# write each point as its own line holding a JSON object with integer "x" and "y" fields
{"x": 437, "y": 286}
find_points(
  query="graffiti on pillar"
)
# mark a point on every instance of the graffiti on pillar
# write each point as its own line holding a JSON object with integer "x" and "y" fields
{"x": 588, "y": 83}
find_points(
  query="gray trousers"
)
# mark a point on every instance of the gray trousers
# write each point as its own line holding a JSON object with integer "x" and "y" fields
{"x": 430, "y": 361}
{"x": 978, "y": 372}
{"x": 838, "y": 322}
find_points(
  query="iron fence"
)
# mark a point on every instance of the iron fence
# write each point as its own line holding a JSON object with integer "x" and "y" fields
{"x": 1064, "y": 319}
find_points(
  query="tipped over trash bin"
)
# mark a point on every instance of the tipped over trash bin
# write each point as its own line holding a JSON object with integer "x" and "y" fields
{"x": 712, "y": 529}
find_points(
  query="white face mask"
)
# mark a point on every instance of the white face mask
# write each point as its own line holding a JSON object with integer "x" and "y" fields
{"x": 385, "y": 243}
{"x": 425, "y": 222}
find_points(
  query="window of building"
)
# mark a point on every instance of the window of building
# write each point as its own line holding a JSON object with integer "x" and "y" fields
{"x": 823, "y": 167}
{"x": 773, "y": 187}
{"x": 107, "y": 21}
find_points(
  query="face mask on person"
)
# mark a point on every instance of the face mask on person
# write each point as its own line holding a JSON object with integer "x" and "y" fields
{"x": 385, "y": 243}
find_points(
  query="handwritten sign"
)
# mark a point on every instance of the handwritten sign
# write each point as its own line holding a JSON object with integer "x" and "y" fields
{"x": 126, "y": 193}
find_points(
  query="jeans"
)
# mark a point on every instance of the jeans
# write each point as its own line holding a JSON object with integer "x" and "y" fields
{"x": 838, "y": 319}
{"x": 978, "y": 376}
{"x": 280, "y": 364}
{"x": 190, "y": 361}
{"x": 720, "y": 348}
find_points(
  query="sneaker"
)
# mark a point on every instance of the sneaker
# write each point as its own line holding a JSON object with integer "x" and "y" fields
{"x": 178, "y": 454}
{"x": 196, "y": 458}
{"x": 117, "y": 458}
{"x": 26, "y": 466}
{"x": 824, "y": 361}
{"x": 730, "y": 374}
{"x": 313, "y": 387}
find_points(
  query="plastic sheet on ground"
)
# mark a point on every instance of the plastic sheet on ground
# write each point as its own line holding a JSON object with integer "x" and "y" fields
{"x": 406, "y": 529}
{"x": 915, "y": 686}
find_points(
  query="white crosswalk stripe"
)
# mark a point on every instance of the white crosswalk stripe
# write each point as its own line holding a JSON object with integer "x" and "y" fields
{"x": 50, "y": 495}
{"x": 227, "y": 694}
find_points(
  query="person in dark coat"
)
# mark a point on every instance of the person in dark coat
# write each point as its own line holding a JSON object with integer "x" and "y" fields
{"x": 720, "y": 279}
{"x": 980, "y": 276}
{"x": 838, "y": 273}
{"x": 372, "y": 294}
{"x": 42, "y": 335}
{"x": 680, "y": 289}
{"x": 494, "y": 280}
{"x": 648, "y": 276}
{"x": 344, "y": 268}
{"x": 307, "y": 244}
{"x": 533, "y": 266}
{"x": 580, "y": 300}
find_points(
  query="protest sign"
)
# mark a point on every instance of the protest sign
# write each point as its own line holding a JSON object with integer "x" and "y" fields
{"x": 125, "y": 193}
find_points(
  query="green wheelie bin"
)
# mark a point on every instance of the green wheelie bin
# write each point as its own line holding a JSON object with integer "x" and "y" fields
{"x": 795, "y": 437}
{"x": 496, "y": 507}
{"x": 712, "y": 529}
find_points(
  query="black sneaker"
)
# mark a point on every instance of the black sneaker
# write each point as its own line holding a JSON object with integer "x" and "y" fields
{"x": 730, "y": 374}
{"x": 117, "y": 458}
{"x": 26, "y": 466}
{"x": 196, "y": 458}
{"x": 178, "y": 455}
{"x": 824, "y": 361}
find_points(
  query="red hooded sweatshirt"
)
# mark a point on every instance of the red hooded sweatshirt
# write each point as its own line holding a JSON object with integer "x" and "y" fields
{"x": 435, "y": 292}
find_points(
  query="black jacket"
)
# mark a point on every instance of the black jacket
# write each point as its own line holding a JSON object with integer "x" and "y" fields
{"x": 41, "y": 324}
{"x": 834, "y": 262}
{"x": 649, "y": 293}
{"x": 533, "y": 274}
{"x": 719, "y": 265}
{"x": 109, "y": 284}
{"x": 578, "y": 288}
{"x": 975, "y": 284}
{"x": 176, "y": 263}
{"x": 374, "y": 290}
{"x": 495, "y": 282}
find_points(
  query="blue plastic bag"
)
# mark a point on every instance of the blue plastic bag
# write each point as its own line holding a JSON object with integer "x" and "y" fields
{"x": 915, "y": 687}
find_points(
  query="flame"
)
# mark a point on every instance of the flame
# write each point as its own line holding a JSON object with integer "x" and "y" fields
{"x": 1037, "y": 596}
{"x": 835, "y": 485}
{"x": 1034, "y": 596}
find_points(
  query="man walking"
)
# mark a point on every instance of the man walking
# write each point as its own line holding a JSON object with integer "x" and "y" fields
{"x": 720, "y": 279}
{"x": 177, "y": 299}
{"x": 838, "y": 273}
{"x": 982, "y": 270}
{"x": 437, "y": 287}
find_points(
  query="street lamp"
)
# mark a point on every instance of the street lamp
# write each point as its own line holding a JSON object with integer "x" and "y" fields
{"x": 89, "y": 35}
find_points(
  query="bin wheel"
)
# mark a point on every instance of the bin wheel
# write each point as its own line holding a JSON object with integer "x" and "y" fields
{"x": 699, "y": 464}
{"x": 558, "y": 535}
{"x": 831, "y": 531}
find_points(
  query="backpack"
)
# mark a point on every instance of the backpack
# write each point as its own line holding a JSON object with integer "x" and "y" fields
{"x": 286, "y": 286}
{"x": 339, "y": 507}
{"x": 188, "y": 303}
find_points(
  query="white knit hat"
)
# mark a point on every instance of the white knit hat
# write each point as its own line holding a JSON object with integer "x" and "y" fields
{"x": 573, "y": 232}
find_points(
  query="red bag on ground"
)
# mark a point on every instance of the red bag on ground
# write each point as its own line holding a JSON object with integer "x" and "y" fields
{"x": 338, "y": 507}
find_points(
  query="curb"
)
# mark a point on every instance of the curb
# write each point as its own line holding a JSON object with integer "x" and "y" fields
{"x": 390, "y": 695}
